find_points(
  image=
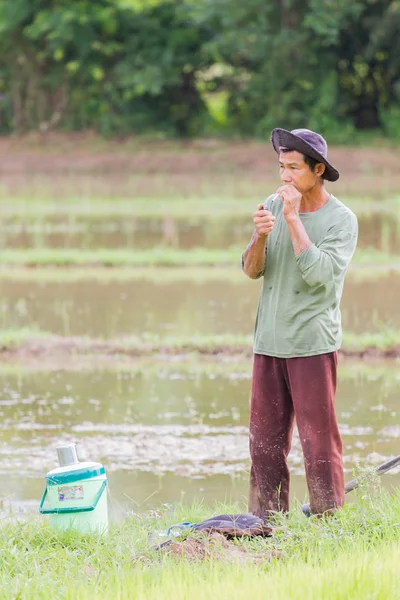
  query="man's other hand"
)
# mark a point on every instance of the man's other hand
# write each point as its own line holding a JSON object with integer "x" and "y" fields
{"x": 291, "y": 198}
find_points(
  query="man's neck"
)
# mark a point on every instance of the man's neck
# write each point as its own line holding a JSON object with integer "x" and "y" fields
{"x": 314, "y": 199}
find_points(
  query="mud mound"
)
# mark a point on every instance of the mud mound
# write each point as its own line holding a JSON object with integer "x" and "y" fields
{"x": 214, "y": 545}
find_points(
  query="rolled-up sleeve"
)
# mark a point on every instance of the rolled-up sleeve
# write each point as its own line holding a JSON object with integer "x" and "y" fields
{"x": 321, "y": 263}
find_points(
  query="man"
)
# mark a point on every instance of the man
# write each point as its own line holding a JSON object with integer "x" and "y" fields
{"x": 303, "y": 242}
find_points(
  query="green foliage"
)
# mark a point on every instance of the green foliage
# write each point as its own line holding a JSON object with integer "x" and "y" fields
{"x": 101, "y": 65}
{"x": 390, "y": 119}
{"x": 185, "y": 68}
{"x": 316, "y": 63}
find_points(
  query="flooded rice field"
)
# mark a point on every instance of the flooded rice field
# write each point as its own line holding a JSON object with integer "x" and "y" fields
{"x": 171, "y": 433}
{"x": 113, "y": 308}
{"x": 377, "y": 230}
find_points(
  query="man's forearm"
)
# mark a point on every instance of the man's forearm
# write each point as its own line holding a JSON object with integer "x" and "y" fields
{"x": 254, "y": 256}
{"x": 298, "y": 235}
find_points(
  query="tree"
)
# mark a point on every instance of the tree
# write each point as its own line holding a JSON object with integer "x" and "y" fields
{"x": 316, "y": 63}
{"x": 83, "y": 64}
{"x": 123, "y": 66}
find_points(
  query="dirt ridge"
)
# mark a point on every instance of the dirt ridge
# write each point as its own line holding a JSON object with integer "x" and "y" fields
{"x": 60, "y": 346}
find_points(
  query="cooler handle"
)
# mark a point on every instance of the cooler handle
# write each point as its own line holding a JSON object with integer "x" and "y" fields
{"x": 71, "y": 509}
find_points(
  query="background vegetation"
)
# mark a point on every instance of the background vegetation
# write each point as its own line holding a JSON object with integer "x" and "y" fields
{"x": 185, "y": 68}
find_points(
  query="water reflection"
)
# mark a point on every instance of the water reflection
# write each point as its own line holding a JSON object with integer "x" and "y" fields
{"x": 172, "y": 433}
{"x": 380, "y": 231}
{"x": 98, "y": 308}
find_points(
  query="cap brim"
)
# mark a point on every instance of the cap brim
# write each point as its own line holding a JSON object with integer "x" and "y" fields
{"x": 281, "y": 138}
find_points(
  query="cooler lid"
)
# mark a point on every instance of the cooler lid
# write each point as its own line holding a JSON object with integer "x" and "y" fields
{"x": 75, "y": 472}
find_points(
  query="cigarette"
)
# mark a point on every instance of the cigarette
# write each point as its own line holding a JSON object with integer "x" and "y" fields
{"x": 270, "y": 202}
{"x": 274, "y": 198}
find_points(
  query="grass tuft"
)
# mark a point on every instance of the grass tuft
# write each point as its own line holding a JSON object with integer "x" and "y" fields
{"x": 386, "y": 341}
{"x": 158, "y": 256}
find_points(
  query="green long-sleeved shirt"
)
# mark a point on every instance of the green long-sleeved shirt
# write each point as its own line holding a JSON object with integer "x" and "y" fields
{"x": 299, "y": 307}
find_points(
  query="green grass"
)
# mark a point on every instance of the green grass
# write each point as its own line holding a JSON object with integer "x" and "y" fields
{"x": 148, "y": 344}
{"x": 193, "y": 366}
{"x": 118, "y": 257}
{"x": 192, "y": 208}
{"x": 200, "y": 274}
{"x": 126, "y": 274}
{"x": 375, "y": 257}
{"x": 209, "y": 206}
{"x": 15, "y": 338}
{"x": 158, "y": 256}
{"x": 351, "y": 556}
{"x": 382, "y": 340}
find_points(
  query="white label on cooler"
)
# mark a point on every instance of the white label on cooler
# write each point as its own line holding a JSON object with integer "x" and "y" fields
{"x": 70, "y": 492}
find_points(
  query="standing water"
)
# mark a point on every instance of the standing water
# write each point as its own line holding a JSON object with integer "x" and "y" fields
{"x": 172, "y": 433}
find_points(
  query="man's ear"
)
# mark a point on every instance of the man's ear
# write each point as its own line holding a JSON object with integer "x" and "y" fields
{"x": 319, "y": 169}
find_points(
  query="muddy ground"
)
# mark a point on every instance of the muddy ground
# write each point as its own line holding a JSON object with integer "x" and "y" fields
{"x": 33, "y": 162}
{"x": 58, "y": 352}
{"x": 214, "y": 546}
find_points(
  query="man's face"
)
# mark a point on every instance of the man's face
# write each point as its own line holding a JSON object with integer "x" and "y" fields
{"x": 295, "y": 171}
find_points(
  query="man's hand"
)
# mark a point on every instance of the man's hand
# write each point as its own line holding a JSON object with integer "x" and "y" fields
{"x": 291, "y": 198}
{"x": 263, "y": 221}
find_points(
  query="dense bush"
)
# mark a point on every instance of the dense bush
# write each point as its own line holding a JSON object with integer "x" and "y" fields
{"x": 124, "y": 66}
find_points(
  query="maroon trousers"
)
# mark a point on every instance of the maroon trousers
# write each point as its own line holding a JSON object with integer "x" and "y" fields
{"x": 284, "y": 388}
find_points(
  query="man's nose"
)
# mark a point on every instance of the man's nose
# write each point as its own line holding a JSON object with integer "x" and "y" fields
{"x": 285, "y": 178}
